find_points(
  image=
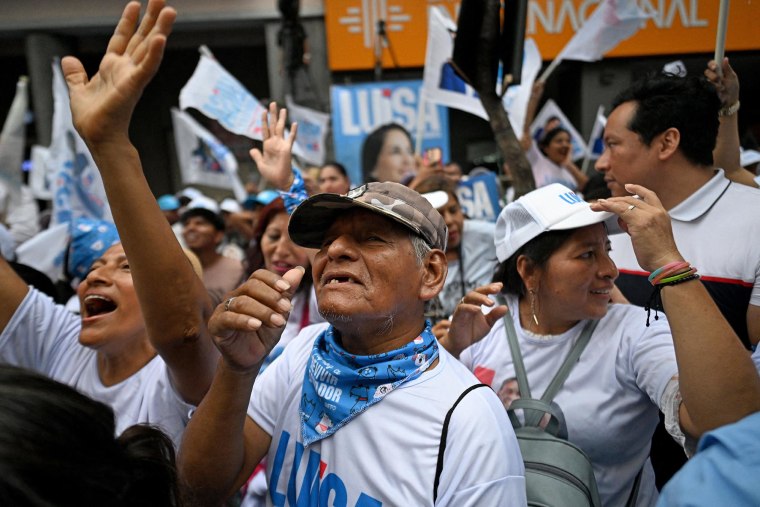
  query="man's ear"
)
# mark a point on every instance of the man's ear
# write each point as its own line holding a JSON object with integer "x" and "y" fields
{"x": 668, "y": 143}
{"x": 435, "y": 269}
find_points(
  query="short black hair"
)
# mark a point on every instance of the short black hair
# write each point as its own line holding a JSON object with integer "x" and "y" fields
{"x": 338, "y": 167}
{"x": 213, "y": 218}
{"x": 666, "y": 101}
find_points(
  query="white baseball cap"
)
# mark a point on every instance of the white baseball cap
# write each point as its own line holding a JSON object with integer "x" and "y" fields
{"x": 551, "y": 208}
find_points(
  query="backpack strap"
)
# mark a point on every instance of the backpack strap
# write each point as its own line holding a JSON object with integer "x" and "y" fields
{"x": 444, "y": 433}
{"x": 533, "y": 417}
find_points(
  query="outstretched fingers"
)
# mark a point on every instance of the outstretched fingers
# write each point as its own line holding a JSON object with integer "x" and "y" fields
{"x": 124, "y": 29}
{"x": 146, "y": 25}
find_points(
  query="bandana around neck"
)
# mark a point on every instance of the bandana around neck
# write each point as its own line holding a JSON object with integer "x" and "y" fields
{"x": 338, "y": 386}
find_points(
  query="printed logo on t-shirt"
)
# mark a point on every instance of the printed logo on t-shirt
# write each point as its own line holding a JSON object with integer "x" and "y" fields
{"x": 314, "y": 485}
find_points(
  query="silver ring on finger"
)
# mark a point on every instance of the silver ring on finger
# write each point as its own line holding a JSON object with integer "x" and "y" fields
{"x": 228, "y": 303}
{"x": 632, "y": 206}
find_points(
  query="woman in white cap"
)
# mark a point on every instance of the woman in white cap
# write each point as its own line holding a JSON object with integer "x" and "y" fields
{"x": 556, "y": 276}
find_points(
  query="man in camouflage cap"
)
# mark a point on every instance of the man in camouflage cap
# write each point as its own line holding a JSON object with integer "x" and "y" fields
{"x": 352, "y": 413}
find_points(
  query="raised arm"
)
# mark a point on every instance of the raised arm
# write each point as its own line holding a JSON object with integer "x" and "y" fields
{"x": 274, "y": 160}
{"x": 726, "y": 152}
{"x": 174, "y": 303}
{"x": 530, "y": 114}
{"x": 221, "y": 445}
{"x": 718, "y": 381}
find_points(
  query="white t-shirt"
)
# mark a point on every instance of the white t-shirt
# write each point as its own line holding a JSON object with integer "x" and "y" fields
{"x": 44, "y": 337}
{"x": 387, "y": 455}
{"x": 546, "y": 172}
{"x": 479, "y": 254}
{"x": 610, "y": 399}
{"x": 716, "y": 230}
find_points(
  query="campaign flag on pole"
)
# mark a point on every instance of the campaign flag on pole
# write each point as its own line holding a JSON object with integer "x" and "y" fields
{"x": 77, "y": 187}
{"x": 217, "y": 94}
{"x": 203, "y": 159}
{"x": 13, "y": 136}
{"x": 612, "y": 22}
{"x": 596, "y": 139}
{"x": 312, "y": 131}
{"x": 442, "y": 86}
{"x": 552, "y": 110}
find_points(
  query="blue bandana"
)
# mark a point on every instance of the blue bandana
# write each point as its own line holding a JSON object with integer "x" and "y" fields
{"x": 89, "y": 241}
{"x": 338, "y": 386}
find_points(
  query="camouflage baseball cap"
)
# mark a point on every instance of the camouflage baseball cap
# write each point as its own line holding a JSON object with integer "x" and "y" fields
{"x": 314, "y": 216}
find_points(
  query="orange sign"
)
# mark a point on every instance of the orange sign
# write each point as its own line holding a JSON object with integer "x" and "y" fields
{"x": 676, "y": 26}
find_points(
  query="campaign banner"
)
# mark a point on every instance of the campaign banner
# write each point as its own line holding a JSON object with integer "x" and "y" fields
{"x": 443, "y": 86}
{"x": 312, "y": 131}
{"x": 359, "y": 109}
{"x": 549, "y": 112}
{"x": 479, "y": 196}
{"x": 203, "y": 159}
{"x": 13, "y": 136}
{"x": 77, "y": 188}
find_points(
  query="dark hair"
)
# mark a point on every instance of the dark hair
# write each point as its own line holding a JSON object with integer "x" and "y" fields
{"x": 213, "y": 218}
{"x": 255, "y": 254}
{"x": 666, "y": 101}
{"x": 373, "y": 143}
{"x": 337, "y": 165}
{"x": 436, "y": 182}
{"x": 538, "y": 250}
{"x": 57, "y": 447}
{"x": 547, "y": 137}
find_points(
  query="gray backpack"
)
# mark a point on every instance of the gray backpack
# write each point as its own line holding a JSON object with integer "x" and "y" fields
{"x": 557, "y": 472}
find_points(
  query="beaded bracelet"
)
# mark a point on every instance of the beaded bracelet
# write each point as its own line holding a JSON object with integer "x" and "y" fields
{"x": 655, "y": 300}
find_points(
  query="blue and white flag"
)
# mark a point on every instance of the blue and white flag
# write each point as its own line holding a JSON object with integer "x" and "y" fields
{"x": 596, "y": 139}
{"x": 612, "y": 22}
{"x": 217, "y": 94}
{"x": 549, "y": 111}
{"x": 13, "y": 136}
{"x": 77, "y": 188}
{"x": 442, "y": 86}
{"x": 203, "y": 159}
{"x": 312, "y": 131}
{"x": 479, "y": 195}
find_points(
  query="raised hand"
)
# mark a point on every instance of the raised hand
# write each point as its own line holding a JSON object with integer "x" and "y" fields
{"x": 102, "y": 106}
{"x": 274, "y": 163}
{"x": 643, "y": 217}
{"x": 726, "y": 83}
{"x": 248, "y": 324}
{"x": 469, "y": 324}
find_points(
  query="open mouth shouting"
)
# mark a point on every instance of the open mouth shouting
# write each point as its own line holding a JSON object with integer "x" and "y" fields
{"x": 96, "y": 305}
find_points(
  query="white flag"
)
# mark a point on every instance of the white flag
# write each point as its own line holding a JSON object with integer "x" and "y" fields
{"x": 203, "y": 159}
{"x": 596, "y": 139}
{"x": 77, "y": 188}
{"x": 312, "y": 131}
{"x": 612, "y": 22}
{"x": 549, "y": 111}
{"x": 442, "y": 86}
{"x": 217, "y": 94}
{"x": 13, "y": 137}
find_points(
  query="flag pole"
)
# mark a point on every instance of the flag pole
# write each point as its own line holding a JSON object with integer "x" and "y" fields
{"x": 420, "y": 123}
{"x": 550, "y": 69}
{"x": 590, "y": 143}
{"x": 720, "y": 39}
